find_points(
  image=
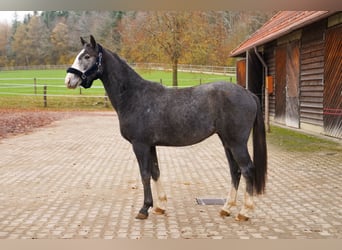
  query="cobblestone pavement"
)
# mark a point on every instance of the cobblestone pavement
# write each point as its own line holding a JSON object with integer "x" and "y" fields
{"x": 79, "y": 179}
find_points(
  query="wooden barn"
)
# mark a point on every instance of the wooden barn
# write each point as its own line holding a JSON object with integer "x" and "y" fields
{"x": 296, "y": 58}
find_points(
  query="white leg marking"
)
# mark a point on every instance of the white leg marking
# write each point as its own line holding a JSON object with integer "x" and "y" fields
{"x": 231, "y": 201}
{"x": 247, "y": 208}
{"x": 162, "y": 200}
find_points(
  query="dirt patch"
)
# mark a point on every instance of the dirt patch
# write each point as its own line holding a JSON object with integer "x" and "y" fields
{"x": 14, "y": 122}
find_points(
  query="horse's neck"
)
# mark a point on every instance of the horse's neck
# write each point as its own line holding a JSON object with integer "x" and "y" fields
{"x": 117, "y": 78}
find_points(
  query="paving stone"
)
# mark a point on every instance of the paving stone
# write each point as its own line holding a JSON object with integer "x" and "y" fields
{"x": 78, "y": 178}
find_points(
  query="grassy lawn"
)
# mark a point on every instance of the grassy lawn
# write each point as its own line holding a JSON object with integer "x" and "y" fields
{"x": 185, "y": 79}
{"x": 294, "y": 141}
{"x": 17, "y": 89}
{"x": 22, "y": 82}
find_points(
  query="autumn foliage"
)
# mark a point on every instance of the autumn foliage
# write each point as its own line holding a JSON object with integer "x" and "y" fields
{"x": 188, "y": 37}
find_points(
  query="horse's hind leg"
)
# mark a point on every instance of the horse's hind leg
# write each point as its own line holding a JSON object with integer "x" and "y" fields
{"x": 241, "y": 156}
{"x": 248, "y": 206}
{"x": 161, "y": 197}
{"x": 235, "y": 174}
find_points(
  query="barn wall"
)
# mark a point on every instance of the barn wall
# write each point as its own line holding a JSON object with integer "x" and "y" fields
{"x": 320, "y": 102}
{"x": 292, "y": 84}
{"x": 255, "y": 76}
{"x": 241, "y": 72}
{"x": 332, "y": 104}
{"x": 280, "y": 84}
{"x": 312, "y": 74}
{"x": 269, "y": 58}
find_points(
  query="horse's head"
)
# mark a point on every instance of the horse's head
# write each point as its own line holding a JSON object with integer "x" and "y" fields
{"x": 87, "y": 66}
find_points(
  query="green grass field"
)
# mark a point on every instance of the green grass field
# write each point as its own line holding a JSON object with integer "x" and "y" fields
{"x": 17, "y": 88}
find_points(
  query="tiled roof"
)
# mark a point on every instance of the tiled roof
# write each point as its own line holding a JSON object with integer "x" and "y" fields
{"x": 280, "y": 24}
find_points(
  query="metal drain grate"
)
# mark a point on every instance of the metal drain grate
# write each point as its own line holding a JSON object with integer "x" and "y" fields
{"x": 210, "y": 201}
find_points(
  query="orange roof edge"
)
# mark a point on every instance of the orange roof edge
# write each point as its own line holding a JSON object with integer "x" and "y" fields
{"x": 282, "y": 23}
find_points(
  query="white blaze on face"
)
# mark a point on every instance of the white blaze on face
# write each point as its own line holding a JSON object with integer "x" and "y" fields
{"x": 71, "y": 80}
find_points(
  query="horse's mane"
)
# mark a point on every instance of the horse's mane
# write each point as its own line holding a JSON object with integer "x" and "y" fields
{"x": 124, "y": 64}
{"x": 134, "y": 76}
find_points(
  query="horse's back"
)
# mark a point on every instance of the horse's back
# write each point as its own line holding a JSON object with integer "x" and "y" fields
{"x": 229, "y": 96}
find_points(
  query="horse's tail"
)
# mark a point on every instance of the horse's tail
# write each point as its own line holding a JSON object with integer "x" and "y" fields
{"x": 259, "y": 151}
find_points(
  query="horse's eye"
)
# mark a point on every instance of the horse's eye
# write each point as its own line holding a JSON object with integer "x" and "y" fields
{"x": 87, "y": 57}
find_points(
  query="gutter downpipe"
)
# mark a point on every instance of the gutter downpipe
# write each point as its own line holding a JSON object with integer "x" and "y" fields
{"x": 267, "y": 120}
{"x": 247, "y": 68}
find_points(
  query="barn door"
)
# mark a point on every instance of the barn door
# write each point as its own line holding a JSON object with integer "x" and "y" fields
{"x": 287, "y": 84}
{"x": 292, "y": 85}
{"x": 332, "y": 113}
{"x": 280, "y": 86}
{"x": 241, "y": 72}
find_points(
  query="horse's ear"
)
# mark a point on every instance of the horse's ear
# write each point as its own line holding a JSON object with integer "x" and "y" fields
{"x": 92, "y": 42}
{"x": 82, "y": 41}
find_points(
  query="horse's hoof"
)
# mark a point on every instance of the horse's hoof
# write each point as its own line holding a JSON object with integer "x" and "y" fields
{"x": 241, "y": 217}
{"x": 224, "y": 213}
{"x": 141, "y": 216}
{"x": 158, "y": 211}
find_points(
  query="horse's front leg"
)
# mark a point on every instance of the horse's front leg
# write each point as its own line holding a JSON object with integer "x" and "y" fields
{"x": 143, "y": 154}
{"x": 161, "y": 196}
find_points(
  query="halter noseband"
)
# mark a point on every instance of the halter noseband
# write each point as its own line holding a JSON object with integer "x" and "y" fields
{"x": 96, "y": 68}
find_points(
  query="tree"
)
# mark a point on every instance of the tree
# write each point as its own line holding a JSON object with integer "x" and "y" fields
{"x": 137, "y": 46}
{"x": 206, "y": 40}
{"x": 20, "y": 42}
{"x": 152, "y": 36}
{"x": 195, "y": 37}
{"x": 168, "y": 30}
{"x": 60, "y": 47}
{"x": 31, "y": 43}
{"x": 5, "y": 32}
{"x": 189, "y": 37}
{"x": 50, "y": 18}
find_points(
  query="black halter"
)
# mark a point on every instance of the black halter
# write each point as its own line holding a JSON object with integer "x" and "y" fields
{"x": 96, "y": 68}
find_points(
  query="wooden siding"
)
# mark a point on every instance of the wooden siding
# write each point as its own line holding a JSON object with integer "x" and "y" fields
{"x": 287, "y": 83}
{"x": 269, "y": 56}
{"x": 292, "y": 84}
{"x": 319, "y": 54}
{"x": 332, "y": 103}
{"x": 280, "y": 84}
{"x": 241, "y": 72}
{"x": 312, "y": 74}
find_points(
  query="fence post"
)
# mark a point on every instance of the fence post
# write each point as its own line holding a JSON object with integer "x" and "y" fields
{"x": 35, "y": 85}
{"x": 45, "y": 98}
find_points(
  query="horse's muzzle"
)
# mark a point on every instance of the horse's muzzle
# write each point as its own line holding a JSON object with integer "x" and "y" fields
{"x": 71, "y": 81}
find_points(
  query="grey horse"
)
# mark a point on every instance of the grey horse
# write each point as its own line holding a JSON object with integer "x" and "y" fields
{"x": 152, "y": 115}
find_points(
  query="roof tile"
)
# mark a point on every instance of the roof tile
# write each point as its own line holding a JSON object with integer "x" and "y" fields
{"x": 280, "y": 24}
